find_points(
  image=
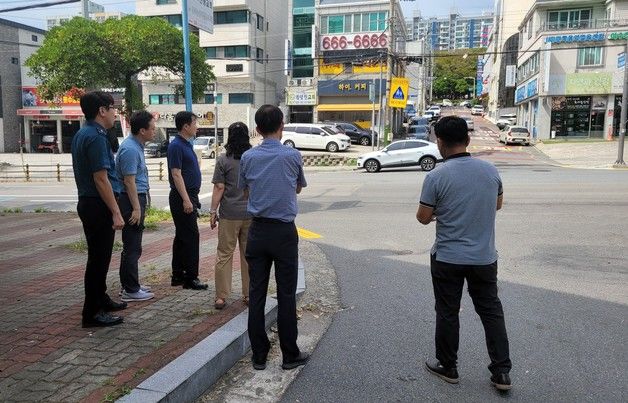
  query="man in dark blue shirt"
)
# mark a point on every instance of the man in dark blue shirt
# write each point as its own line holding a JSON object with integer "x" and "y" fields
{"x": 98, "y": 186}
{"x": 184, "y": 175}
{"x": 271, "y": 175}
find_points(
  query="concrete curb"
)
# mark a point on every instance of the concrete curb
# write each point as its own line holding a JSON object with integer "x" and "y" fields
{"x": 188, "y": 376}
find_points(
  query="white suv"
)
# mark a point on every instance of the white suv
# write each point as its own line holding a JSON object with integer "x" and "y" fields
{"x": 315, "y": 136}
{"x": 477, "y": 110}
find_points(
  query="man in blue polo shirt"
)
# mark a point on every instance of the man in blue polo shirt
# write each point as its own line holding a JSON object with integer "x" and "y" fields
{"x": 132, "y": 172}
{"x": 463, "y": 195}
{"x": 184, "y": 175}
{"x": 271, "y": 175}
{"x": 98, "y": 186}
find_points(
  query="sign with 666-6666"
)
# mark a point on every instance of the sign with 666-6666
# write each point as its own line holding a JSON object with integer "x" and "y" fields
{"x": 354, "y": 41}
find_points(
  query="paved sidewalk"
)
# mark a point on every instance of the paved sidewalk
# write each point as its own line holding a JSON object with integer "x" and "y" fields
{"x": 602, "y": 154}
{"x": 45, "y": 355}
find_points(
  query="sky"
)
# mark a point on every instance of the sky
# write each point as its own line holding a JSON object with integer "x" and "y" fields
{"x": 427, "y": 8}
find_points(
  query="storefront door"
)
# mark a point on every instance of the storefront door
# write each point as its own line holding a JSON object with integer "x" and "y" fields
{"x": 571, "y": 116}
{"x": 43, "y": 135}
{"x": 68, "y": 130}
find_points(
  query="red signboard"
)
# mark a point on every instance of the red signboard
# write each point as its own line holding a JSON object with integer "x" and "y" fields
{"x": 30, "y": 98}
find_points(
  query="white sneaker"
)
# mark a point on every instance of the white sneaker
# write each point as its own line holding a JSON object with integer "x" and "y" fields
{"x": 136, "y": 296}
{"x": 145, "y": 288}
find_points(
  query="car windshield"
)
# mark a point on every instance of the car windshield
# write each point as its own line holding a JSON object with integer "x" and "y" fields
{"x": 519, "y": 129}
{"x": 331, "y": 130}
{"x": 201, "y": 141}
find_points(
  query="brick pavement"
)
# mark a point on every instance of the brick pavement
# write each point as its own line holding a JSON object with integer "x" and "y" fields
{"x": 45, "y": 354}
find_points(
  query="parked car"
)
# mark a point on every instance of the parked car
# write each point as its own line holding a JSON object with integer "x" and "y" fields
{"x": 156, "y": 149}
{"x": 402, "y": 153}
{"x": 207, "y": 145}
{"x": 470, "y": 124}
{"x": 315, "y": 136}
{"x": 515, "y": 134}
{"x": 435, "y": 109}
{"x": 430, "y": 115}
{"x": 447, "y": 103}
{"x": 418, "y": 132}
{"x": 477, "y": 110}
{"x": 509, "y": 119}
{"x": 466, "y": 104}
{"x": 409, "y": 112}
{"x": 355, "y": 133}
{"x": 420, "y": 121}
{"x": 48, "y": 144}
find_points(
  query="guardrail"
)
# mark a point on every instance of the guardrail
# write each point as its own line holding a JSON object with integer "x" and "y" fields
{"x": 60, "y": 172}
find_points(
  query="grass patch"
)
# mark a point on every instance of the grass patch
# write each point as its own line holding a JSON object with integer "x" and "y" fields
{"x": 11, "y": 210}
{"x": 78, "y": 246}
{"x": 41, "y": 210}
{"x": 352, "y": 162}
{"x": 154, "y": 216}
{"x": 116, "y": 394}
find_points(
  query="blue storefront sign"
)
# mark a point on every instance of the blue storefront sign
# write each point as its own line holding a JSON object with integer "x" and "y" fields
{"x": 351, "y": 88}
{"x": 596, "y": 37}
{"x": 520, "y": 94}
{"x": 532, "y": 88}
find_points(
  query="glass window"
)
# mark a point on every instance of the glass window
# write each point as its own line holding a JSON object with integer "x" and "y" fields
{"x": 590, "y": 56}
{"x": 396, "y": 146}
{"x": 260, "y": 22}
{"x": 231, "y": 17}
{"x": 162, "y": 2}
{"x": 365, "y": 22}
{"x": 288, "y": 129}
{"x": 209, "y": 98}
{"x": 381, "y": 23}
{"x": 241, "y": 98}
{"x": 259, "y": 55}
{"x": 153, "y": 99}
{"x": 357, "y": 22}
{"x": 210, "y": 52}
{"x": 347, "y": 23}
{"x": 415, "y": 144}
{"x": 336, "y": 24}
{"x": 316, "y": 131}
{"x": 174, "y": 20}
{"x": 324, "y": 21}
{"x": 237, "y": 51}
{"x": 303, "y": 129}
{"x": 373, "y": 21}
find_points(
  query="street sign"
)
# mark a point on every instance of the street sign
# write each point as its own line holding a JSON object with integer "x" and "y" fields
{"x": 201, "y": 14}
{"x": 398, "y": 92}
{"x": 621, "y": 60}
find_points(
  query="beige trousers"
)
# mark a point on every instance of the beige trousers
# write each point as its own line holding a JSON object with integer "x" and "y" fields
{"x": 230, "y": 233}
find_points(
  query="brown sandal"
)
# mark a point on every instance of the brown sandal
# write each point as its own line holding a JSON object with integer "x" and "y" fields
{"x": 219, "y": 303}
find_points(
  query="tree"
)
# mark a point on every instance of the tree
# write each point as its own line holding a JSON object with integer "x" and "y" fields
{"x": 89, "y": 55}
{"x": 450, "y": 69}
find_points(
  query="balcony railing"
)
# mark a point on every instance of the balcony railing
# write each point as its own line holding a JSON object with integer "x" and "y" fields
{"x": 582, "y": 24}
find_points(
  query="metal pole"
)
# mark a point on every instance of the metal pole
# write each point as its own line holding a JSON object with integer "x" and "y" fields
{"x": 373, "y": 116}
{"x": 382, "y": 95}
{"x": 216, "y": 121}
{"x": 391, "y": 49}
{"x": 624, "y": 114}
{"x": 85, "y": 4}
{"x": 186, "y": 56}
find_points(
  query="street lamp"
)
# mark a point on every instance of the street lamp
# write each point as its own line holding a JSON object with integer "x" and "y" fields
{"x": 474, "y": 79}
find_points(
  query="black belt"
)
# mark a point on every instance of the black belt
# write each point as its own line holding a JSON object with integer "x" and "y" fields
{"x": 271, "y": 220}
{"x": 139, "y": 194}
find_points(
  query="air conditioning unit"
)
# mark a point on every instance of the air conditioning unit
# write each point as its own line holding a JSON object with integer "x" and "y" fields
{"x": 293, "y": 83}
{"x": 306, "y": 82}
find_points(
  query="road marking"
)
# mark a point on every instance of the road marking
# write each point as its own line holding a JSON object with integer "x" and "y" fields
{"x": 305, "y": 234}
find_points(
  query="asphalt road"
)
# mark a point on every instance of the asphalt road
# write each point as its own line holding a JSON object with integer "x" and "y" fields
{"x": 561, "y": 236}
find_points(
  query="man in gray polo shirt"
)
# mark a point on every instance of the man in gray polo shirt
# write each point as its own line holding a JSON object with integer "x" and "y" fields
{"x": 462, "y": 196}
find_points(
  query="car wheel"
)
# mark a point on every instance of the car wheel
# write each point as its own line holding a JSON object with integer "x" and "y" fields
{"x": 365, "y": 141}
{"x": 372, "y": 166}
{"x": 332, "y": 147}
{"x": 212, "y": 154}
{"x": 427, "y": 163}
{"x": 289, "y": 143}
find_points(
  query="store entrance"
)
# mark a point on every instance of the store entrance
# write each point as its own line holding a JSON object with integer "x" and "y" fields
{"x": 301, "y": 114}
{"x": 43, "y": 136}
{"x": 68, "y": 130}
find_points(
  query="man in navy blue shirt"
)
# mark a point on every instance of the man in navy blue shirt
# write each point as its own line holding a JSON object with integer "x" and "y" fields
{"x": 98, "y": 187}
{"x": 132, "y": 172}
{"x": 271, "y": 175}
{"x": 184, "y": 175}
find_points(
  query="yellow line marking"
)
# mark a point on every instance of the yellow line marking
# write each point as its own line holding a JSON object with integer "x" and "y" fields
{"x": 303, "y": 233}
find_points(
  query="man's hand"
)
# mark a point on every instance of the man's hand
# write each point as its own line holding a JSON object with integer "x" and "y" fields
{"x": 118, "y": 221}
{"x": 135, "y": 217}
{"x": 188, "y": 208}
{"x": 213, "y": 218}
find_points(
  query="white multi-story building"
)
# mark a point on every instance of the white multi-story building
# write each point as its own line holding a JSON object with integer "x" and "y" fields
{"x": 569, "y": 79}
{"x": 452, "y": 32}
{"x": 96, "y": 16}
{"x": 246, "y": 52}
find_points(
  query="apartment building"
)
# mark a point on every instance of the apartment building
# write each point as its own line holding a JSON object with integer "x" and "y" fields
{"x": 246, "y": 51}
{"x": 99, "y": 16}
{"x": 569, "y": 68}
{"x": 353, "y": 38}
{"x": 452, "y": 32}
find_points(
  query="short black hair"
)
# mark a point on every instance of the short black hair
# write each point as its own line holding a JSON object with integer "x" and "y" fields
{"x": 238, "y": 141}
{"x": 452, "y": 130}
{"x": 268, "y": 119}
{"x": 183, "y": 118}
{"x": 140, "y": 120}
{"x": 92, "y": 101}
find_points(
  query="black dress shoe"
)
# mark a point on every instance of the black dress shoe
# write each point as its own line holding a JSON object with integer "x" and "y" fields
{"x": 194, "y": 285}
{"x": 300, "y": 360}
{"x": 258, "y": 364}
{"x": 501, "y": 381}
{"x": 176, "y": 281}
{"x": 111, "y": 306}
{"x": 102, "y": 319}
{"x": 446, "y": 374}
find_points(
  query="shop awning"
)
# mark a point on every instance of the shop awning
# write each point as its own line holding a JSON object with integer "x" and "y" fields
{"x": 345, "y": 107}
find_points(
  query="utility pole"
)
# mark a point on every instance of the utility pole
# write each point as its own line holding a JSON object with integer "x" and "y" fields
{"x": 85, "y": 4}
{"x": 186, "y": 56}
{"x": 390, "y": 61}
{"x": 624, "y": 114}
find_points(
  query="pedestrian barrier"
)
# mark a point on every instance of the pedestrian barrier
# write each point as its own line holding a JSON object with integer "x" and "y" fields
{"x": 59, "y": 172}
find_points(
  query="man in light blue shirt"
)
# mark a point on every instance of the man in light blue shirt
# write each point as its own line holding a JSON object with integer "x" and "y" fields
{"x": 271, "y": 175}
{"x": 132, "y": 172}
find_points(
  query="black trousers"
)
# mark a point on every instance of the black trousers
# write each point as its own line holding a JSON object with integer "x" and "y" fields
{"x": 185, "y": 247}
{"x": 272, "y": 241}
{"x": 99, "y": 234}
{"x": 131, "y": 243}
{"x": 448, "y": 280}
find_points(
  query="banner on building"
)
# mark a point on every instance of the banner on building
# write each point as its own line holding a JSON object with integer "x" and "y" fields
{"x": 201, "y": 14}
{"x": 511, "y": 75}
{"x": 300, "y": 96}
{"x": 479, "y": 75}
{"x": 331, "y": 69}
{"x": 399, "y": 88}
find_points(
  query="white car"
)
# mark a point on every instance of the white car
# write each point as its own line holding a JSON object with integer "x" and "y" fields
{"x": 435, "y": 109}
{"x": 315, "y": 136}
{"x": 509, "y": 119}
{"x": 477, "y": 110}
{"x": 402, "y": 153}
{"x": 515, "y": 134}
{"x": 207, "y": 145}
{"x": 447, "y": 102}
